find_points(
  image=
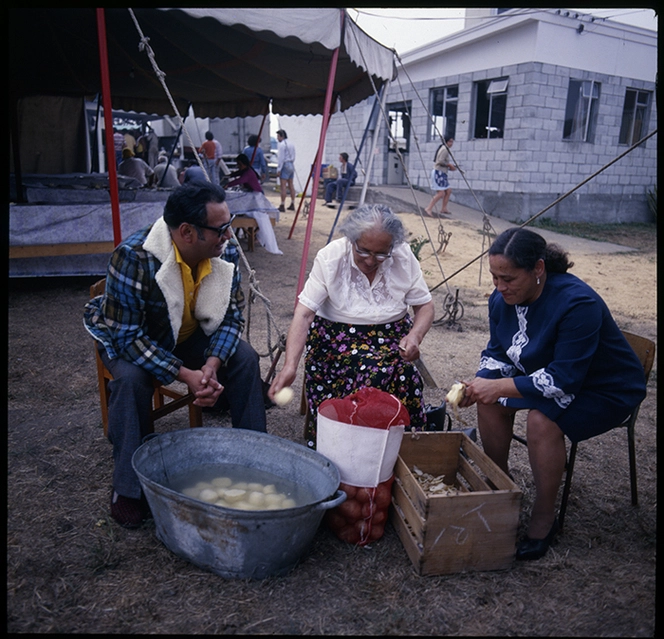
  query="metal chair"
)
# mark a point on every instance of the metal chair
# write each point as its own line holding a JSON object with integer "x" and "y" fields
{"x": 645, "y": 351}
{"x": 165, "y": 399}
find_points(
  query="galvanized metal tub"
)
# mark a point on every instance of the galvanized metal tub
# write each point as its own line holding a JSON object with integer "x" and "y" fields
{"x": 235, "y": 543}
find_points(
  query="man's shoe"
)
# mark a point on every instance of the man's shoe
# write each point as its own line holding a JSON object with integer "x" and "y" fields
{"x": 291, "y": 207}
{"x": 281, "y": 208}
{"x": 128, "y": 512}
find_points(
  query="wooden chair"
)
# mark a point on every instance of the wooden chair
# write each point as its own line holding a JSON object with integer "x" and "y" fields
{"x": 645, "y": 350}
{"x": 165, "y": 399}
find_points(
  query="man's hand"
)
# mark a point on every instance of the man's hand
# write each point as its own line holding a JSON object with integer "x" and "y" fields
{"x": 202, "y": 383}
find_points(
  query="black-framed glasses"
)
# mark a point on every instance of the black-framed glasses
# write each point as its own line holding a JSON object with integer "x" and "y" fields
{"x": 219, "y": 229}
{"x": 379, "y": 257}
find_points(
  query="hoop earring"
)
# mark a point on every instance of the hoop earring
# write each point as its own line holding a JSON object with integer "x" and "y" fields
{"x": 538, "y": 281}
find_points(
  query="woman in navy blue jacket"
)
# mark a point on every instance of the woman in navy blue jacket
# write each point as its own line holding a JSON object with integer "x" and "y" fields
{"x": 556, "y": 351}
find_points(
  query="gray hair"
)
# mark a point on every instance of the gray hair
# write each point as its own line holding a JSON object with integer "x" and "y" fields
{"x": 373, "y": 217}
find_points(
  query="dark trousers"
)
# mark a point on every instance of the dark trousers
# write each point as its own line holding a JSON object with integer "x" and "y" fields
{"x": 130, "y": 401}
{"x": 337, "y": 187}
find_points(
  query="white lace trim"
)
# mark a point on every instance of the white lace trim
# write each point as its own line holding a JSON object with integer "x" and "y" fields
{"x": 520, "y": 339}
{"x": 366, "y": 298}
{"x": 543, "y": 382}
{"x": 491, "y": 364}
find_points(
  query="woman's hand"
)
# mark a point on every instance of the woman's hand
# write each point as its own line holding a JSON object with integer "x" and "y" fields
{"x": 488, "y": 391}
{"x": 284, "y": 379}
{"x": 409, "y": 348}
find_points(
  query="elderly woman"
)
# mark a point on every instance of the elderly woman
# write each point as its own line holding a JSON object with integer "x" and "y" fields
{"x": 352, "y": 315}
{"x": 556, "y": 351}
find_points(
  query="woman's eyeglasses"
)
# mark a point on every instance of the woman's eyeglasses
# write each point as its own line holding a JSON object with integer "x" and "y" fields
{"x": 220, "y": 230}
{"x": 379, "y": 257}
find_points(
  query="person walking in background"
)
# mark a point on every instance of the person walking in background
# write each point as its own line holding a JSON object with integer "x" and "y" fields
{"x": 439, "y": 183}
{"x": 211, "y": 151}
{"x": 285, "y": 169}
{"x": 253, "y": 150}
{"x": 347, "y": 173}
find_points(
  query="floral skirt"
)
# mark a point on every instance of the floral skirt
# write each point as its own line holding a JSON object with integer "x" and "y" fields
{"x": 342, "y": 358}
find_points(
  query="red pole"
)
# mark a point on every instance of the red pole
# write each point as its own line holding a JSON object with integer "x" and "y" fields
{"x": 108, "y": 123}
{"x": 317, "y": 163}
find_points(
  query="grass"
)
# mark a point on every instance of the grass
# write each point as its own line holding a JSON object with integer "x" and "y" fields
{"x": 638, "y": 235}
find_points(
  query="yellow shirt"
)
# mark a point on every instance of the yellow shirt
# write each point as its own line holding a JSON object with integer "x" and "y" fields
{"x": 189, "y": 321}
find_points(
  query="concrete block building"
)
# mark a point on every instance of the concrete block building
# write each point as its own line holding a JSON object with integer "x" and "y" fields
{"x": 536, "y": 101}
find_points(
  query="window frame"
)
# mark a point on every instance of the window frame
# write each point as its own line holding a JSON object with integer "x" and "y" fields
{"x": 493, "y": 89}
{"x": 581, "y": 119}
{"x": 627, "y": 135}
{"x": 448, "y": 129}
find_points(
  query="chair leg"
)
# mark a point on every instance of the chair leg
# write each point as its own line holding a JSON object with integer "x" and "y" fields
{"x": 632, "y": 462}
{"x": 568, "y": 484}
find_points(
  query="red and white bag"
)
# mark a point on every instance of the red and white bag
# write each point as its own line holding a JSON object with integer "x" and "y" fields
{"x": 361, "y": 434}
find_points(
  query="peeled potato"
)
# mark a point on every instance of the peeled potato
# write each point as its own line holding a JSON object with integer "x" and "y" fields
{"x": 284, "y": 396}
{"x": 455, "y": 394}
{"x": 207, "y": 494}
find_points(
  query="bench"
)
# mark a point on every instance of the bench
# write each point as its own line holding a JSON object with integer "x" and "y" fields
{"x": 250, "y": 227}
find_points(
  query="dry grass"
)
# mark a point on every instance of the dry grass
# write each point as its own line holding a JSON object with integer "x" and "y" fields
{"x": 70, "y": 569}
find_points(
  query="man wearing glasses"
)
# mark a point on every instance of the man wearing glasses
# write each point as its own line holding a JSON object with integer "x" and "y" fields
{"x": 171, "y": 311}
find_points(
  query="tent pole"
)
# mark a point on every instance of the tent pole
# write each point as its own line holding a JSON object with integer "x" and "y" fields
{"x": 317, "y": 163}
{"x": 374, "y": 140}
{"x": 108, "y": 122}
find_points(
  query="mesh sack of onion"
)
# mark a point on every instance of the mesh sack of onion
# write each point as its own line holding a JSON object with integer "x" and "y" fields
{"x": 361, "y": 434}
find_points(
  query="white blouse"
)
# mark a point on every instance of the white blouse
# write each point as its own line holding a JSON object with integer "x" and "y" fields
{"x": 338, "y": 291}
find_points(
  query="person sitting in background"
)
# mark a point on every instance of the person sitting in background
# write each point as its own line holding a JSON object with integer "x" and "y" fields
{"x": 252, "y": 150}
{"x": 352, "y": 316}
{"x": 245, "y": 176}
{"x": 134, "y": 167}
{"x": 171, "y": 312}
{"x": 347, "y": 173}
{"x": 554, "y": 350}
{"x": 165, "y": 174}
{"x": 195, "y": 175}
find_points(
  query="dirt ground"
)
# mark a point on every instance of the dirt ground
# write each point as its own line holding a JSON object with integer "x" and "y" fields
{"x": 71, "y": 569}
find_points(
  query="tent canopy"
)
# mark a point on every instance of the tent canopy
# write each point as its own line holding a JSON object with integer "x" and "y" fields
{"x": 226, "y": 62}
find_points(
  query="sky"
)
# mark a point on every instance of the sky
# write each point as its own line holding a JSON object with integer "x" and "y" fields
{"x": 406, "y": 29}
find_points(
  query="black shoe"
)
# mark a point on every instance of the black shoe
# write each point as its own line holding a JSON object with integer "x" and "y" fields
{"x": 530, "y": 549}
{"x": 291, "y": 207}
{"x": 281, "y": 208}
{"x": 129, "y": 512}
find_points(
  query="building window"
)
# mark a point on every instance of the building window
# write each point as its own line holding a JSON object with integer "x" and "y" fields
{"x": 443, "y": 105}
{"x": 635, "y": 116}
{"x": 581, "y": 110}
{"x": 490, "y": 107}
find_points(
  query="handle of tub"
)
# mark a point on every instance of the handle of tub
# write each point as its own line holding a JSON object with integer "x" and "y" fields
{"x": 338, "y": 498}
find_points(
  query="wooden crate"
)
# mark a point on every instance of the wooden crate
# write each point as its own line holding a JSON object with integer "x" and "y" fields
{"x": 472, "y": 530}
